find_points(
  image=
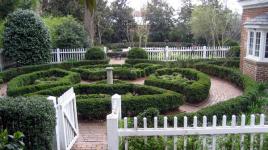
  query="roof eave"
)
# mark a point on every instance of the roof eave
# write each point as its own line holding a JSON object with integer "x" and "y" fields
{"x": 253, "y": 3}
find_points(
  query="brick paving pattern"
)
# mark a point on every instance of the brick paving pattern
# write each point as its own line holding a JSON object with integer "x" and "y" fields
{"x": 3, "y": 89}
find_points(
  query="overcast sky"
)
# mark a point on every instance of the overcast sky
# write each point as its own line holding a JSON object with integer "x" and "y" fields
{"x": 137, "y": 4}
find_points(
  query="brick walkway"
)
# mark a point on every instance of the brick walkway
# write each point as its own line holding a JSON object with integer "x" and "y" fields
{"x": 3, "y": 89}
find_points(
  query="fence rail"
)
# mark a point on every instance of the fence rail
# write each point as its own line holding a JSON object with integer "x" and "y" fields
{"x": 114, "y": 132}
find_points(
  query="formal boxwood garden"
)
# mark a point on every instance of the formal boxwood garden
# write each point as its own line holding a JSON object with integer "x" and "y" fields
{"x": 94, "y": 100}
{"x": 36, "y": 81}
{"x": 148, "y": 67}
{"x": 193, "y": 84}
{"x": 123, "y": 72}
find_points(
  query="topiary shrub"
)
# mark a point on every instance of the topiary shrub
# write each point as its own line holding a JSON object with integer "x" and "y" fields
{"x": 234, "y": 52}
{"x": 95, "y": 53}
{"x": 26, "y": 39}
{"x": 137, "y": 53}
{"x": 70, "y": 34}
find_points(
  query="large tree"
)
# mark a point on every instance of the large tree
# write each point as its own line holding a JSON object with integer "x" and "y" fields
{"x": 122, "y": 20}
{"x": 160, "y": 16}
{"x": 102, "y": 19}
{"x": 214, "y": 24}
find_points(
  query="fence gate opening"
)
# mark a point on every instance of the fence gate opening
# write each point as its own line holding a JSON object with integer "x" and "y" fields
{"x": 66, "y": 120}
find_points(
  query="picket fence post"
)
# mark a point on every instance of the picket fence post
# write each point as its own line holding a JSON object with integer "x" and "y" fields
{"x": 204, "y": 52}
{"x": 58, "y": 55}
{"x": 166, "y": 53}
{"x": 112, "y": 123}
{"x": 56, "y": 141}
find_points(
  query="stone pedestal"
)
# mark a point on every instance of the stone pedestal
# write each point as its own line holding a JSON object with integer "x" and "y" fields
{"x": 109, "y": 71}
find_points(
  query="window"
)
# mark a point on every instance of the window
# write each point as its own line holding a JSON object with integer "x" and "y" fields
{"x": 251, "y": 40}
{"x": 257, "y": 44}
{"x": 266, "y": 47}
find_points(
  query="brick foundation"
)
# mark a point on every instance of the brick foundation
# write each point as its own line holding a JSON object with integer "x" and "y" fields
{"x": 256, "y": 70}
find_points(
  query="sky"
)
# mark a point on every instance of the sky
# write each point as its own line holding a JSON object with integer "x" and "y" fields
{"x": 137, "y": 4}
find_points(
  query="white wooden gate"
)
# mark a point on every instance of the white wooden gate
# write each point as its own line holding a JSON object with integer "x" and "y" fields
{"x": 66, "y": 118}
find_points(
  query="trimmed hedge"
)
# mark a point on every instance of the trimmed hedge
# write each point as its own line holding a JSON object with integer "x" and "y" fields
{"x": 234, "y": 106}
{"x": 148, "y": 68}
{"x": 135, "y": 98}
{"x": 25, "y": 84}
{"x": 137, "y": 53}
{"x": 14, "y": 72}
{"x": 138, "y": 61}
{"x": 195, "y": 92}
{"x": 95, "y": 53}
{"x": 34, "y": 116}
{"x": 123, "y": 72}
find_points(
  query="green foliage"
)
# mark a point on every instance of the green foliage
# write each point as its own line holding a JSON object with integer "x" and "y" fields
{"x": 193, "y": 84}
{"x": 70, "y": 34}
{"x": 20, "y": 44}
{"x": 33, "y": 116}
{"x": 234, "y": 106}
{"x": 99, "y": 72}
{"x": 95, "y": 53}
{"x": 11, "y": 142}
{"x": 7, "y": 75}
{"x": 234, "y": 52}
{"x": 138, "y": 61}
{"x": 137, "y": 53}
{"x": 135, "y": 98}
{"x": 148, "y": 68}
{"x": 1, "y": 33}
{"x": 29, "y": 83}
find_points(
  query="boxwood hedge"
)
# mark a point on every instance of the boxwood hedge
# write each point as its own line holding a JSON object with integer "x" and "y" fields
{"x": 135, "y": 98}
{"x": 33, "y": 116}
{"x": 26, "y": 83}
{"x": 195, "y": 90}
{"x": 123, "y": 72}
{"x": 234, "y": 106}
{"x": 148, "y": 68}
{"x": 7, "y": 75}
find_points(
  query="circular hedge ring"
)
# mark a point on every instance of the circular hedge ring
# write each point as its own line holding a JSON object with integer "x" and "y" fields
{"x": 36, "y": 81}
{"x": 193, "y": 84}
{"x": 123, "y": 72}
{"x": 94, "y": 100}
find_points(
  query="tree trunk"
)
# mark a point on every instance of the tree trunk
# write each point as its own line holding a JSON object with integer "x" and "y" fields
{"x": 89, "y": 25}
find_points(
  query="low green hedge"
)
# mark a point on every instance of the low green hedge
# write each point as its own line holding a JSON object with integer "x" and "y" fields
{"x": 33, "y": 116}
{"x": 195, "y": 85}
{"x": 123, "y": 72}
{"x": 14, "y": 72}
{"x": 234, "y": 106}
{"x": 26, "y": 83}
{"x": 135, "y": 98}
{"x": 138, "y": 61}
{"x": 148, "y": 68}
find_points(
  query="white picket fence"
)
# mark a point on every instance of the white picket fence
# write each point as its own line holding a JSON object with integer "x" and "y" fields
{"x": 115, "y": 133}
{"x": 182, "y": 53}
{"x": 66, "y": 120}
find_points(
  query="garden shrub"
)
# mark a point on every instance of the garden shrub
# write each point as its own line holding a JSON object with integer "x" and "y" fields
{"x": 193, "y": 84}
{"x": 123, "y": 72}
{"x": 138, "y": 61}
{"x": 234, "y": 51}
{"x": 36, "y": 81}
{"x": 95, "y": 53}
{"x": 11, "y": 142}
{"x": 148, "y": 68}
{"x": 135, "y": 98}
{"x": 26, "y": 39}
{"x": 234, "y": 106}
{"x": 137, "y": 53}
{"x": 33, "y": 116}
{"x": 6, "y": 75}
{"x": 70, "y": 34}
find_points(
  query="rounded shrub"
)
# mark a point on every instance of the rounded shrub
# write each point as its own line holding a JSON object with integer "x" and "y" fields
{"x": 26, "y": 39}
{"x": 137, "y": 53}
{"x": 70, "y": 34}
{"x": 95, "y": 53}
{"x": 234, "y": 52}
